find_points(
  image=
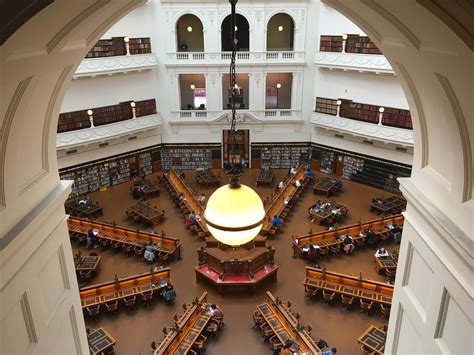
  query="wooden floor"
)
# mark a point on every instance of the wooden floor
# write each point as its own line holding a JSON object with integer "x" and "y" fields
{"x": 135, "y": 331}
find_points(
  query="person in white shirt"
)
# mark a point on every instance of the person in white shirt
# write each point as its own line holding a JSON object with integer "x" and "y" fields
{"x": 281, "y": 185}
{"x": 293, "y": 170}
{"x": 297, "y": 184}
{"x": 381, "y": 253}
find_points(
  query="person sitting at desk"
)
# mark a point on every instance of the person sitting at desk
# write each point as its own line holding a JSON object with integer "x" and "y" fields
{"x": 338, "y": 183}
{"x": 329, "y": 352}
{"x": 293, "y": 170}
{"x": 348, "y": 244}
{"x": 149, "y": 254}
{"x": 201, "y": 199}
{"x": 215, "y": 312}
{"x": 377, "y": 200}
{"x": 277, "y": 221}
{"x": 168, "y": 293}
{"x": 297, "y": 184}
{"x": 92, "y": 238}
{"x": 310, "y": 173}
{"x": 281, "y": 185}
{"x": 197, "y": 217}
{"x": 381, "y": 253}
{"x": 85, "y": 201}
{"x": 396, "y": 233}
{"x": 136, "y": 193}
{"x": 181, "y": 198}
{"x": 192, "y": 217}
{"x": 371, "y": 237}
{"x": 322, "y": 344}
{"x": 289, "y": 348}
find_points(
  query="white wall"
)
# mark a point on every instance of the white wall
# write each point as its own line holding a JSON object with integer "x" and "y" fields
{"x": 332, "y": 22}
{"x": 138, "y": 23}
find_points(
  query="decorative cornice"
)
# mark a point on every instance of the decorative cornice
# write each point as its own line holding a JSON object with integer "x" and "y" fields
{"x": 91, "y": 135}
{"x": 373, "y": 131}
{"x": 118, "y": 64}
{"x": 373, "y": 63}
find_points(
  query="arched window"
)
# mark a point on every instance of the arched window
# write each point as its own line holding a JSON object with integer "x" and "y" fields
{"x": 189, "y": 34}
{"x": 243, "y": 34}
{"x": 280, "y": 33}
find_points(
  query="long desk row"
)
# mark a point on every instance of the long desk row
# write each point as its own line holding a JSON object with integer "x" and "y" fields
{"x": 347, "y": 285}
{"x": 276, "y": 207}
{"x": 285, "y": 326}
{"x": 187, "y": 329}
{"x": 123, "y": 288}
{"x": 328, "y": 239}
{"x": 125, "y": 237}
{"x": 192, "y": 204}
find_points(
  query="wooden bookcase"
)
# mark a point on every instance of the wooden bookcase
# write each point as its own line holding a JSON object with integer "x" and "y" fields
{"x": 397, "y": 118}
{"x": 107, "y": 48}
{"x": 71, "y": 121}
{"x": 330, "y": 43}
{"x": 361, "y": 44}
{"x": 186, "y": 157}
{"x": 327, "y": 106}
{"x": 145, "y": 107}
{"x": 241, "y": 146}
{"x": 278, "y": 156}
{"x": 139, "y": 45}
{"x": 107, "y": 114}
{"x": 359, "y": 111}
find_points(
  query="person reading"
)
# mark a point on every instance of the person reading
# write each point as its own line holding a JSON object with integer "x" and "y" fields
{"x": 277, "y": 221}
{"x": 381, "y": 253}
{"x": 348, "y": 244}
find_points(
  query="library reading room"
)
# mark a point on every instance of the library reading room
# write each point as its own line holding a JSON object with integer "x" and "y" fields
{"x": 236, "y": 177}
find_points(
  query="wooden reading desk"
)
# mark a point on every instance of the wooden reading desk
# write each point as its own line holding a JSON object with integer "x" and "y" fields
{"x": 390, "y": 205}
{"x": 86, "y": 263}
{"x": 332, "y": 211}
{"x": 125, "y": 237}
{"x": 89, "y": 210}
{"x": 100, "y": 342}
{"x": 207, "y": 177}
{"x": 265, "y": 177}
{"x": 129, "y": 286}
{"x": 144, "y": 213}
{"x": 180, "y": 187}
{"x": 347, "y": 285}
{"x": 374, "y": 339}
{"x": 385, "y": 263}
{"x": 285, "y": 326}
{"x": 278, "y": 204}
{"x": 326, "y": 186}
{"x": 327, "y": 239}
{"x": 186, "y": 330}
{"x": 148, "y": 187}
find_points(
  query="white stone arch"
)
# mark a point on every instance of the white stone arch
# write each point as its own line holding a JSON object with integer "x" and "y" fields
{"x": 248, "y": 16}
{"x": 296, "y": 27}
{"x": 174, "y": 29}
{"x": 435, "y": 71}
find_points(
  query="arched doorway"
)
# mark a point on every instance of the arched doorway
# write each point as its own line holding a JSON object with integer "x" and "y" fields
{"x": 280, "y": 33}
{"x": 242, "y": 34}
{"x": 189, "y": 34}
{"x": 435, "y": 69}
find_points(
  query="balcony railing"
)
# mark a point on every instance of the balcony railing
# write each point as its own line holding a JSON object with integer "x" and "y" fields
{"x": 353, "y": 61}
{"x": 117, "y": 64}
{"x": 368, "y": 130}
{"x": 199, "y": 58}
{"x": 261, "y": 115}
{"x": 98, "y": 134}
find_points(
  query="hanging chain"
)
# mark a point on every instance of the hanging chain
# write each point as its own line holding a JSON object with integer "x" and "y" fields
{"x": 233, "y": 130}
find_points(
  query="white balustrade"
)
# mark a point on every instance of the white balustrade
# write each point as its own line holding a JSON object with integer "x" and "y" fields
{"x": 176, "y": 58}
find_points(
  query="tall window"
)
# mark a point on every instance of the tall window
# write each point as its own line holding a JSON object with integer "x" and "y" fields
{"x": 280, "y": 33}
{"x": 278, "y": 91}
{"x": 242, "y": 34}
{"x": 242, "y": 97}
{"x": 189, "y": 34}
{"x": 193, "y": 91}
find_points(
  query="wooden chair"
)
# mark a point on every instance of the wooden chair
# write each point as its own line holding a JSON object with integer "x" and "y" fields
{"x": 116, "y": 245}
{"x": 347, "y": 301}
{"x": 212, "y": 328}
{"x": 163, "y": 257}
{"x": 366, "y": 306}
{"x": 86, "y": 275}
{"x": 130, "y": 302}
{"x": 112, "y": 306}
{"x": 165, "y": 331}
{"x": 365, "y": 350}
{"x": 390, "y": 275}
{"x": 199, "y": 343}
{"x": 266, "y": 331}
{"x": 323, "y": 252}
{"x": 258, "y": 319}
{"x": 93, "y": 311}
{"x": 335, "y": 250}
{"x": 139, "y": 251}
{"x": 311, "y": 293}
{"x": 328, "y": 297}
{"x": 275, "y": 343}
{"x": 147, "y": 297}
{"x": 128, "y": 249}
{"x": 385, "y": 310}
{"x": 359, "y": 243}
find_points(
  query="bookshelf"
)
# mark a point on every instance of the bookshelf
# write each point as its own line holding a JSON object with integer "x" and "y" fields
{"x": 71, "y": 121}
{"x": 145, "y": 107}
{"x": 186, "y": 158}
{"x": 327, "y": 162}
{"x": 327, "y": 106}
{"x": 359, "y": 111}
{"x": 330, "y": 43}
{"x": 281, "y": 156}
{"x": 144, "y": 163}
{"x": 139, "y": 45}
{"x": 119, "y": 171}
{"x": 361, "y": 45}
{"x": 351, "y": 166}
{"x": 397, "y": 118}
{"x": 107, "y": 47}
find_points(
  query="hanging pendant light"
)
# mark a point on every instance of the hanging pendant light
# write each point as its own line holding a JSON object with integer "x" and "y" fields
{"x": 234, "y": 213}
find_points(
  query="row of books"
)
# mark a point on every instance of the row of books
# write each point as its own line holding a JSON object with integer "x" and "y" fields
{"x": 115, "y": 46}
{"x": 186, "y": 158}
{"x": 354, "y": 44}
{"x": 282, "y": 157}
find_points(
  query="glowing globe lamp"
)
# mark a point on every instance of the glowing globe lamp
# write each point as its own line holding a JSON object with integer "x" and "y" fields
{"x": 234, "y": 214}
